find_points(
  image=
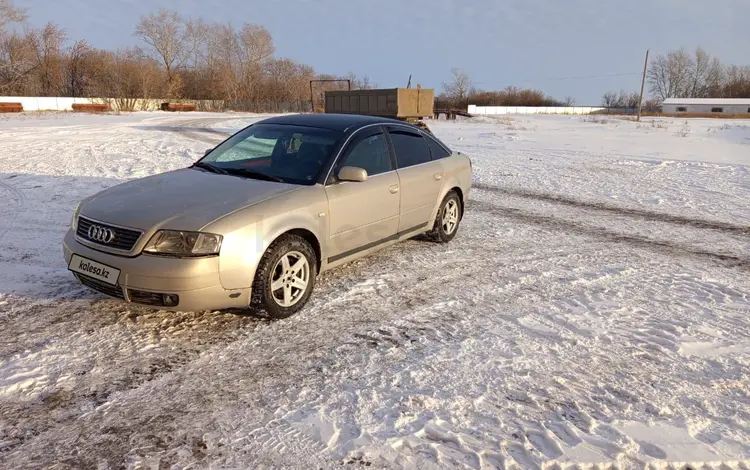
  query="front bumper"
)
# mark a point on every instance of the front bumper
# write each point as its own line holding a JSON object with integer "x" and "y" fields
{"x": 146, "y": 278}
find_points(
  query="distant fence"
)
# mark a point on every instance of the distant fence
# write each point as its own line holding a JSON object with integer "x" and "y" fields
{"x": 577, "y": 110}
{"x": 31, "y": 103}
{"x": 497, "y": 110}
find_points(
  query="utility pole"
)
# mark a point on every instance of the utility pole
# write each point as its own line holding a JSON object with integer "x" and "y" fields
{"x": 643, "y": 86}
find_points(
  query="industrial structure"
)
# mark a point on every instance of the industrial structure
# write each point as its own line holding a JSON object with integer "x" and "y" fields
{"x": 398, "y": 103}
{"x": 407, "y": 104}
{"x": 706, "y": 105}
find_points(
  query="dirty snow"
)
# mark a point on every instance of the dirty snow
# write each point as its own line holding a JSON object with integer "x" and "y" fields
{"x": 594, "y": 310}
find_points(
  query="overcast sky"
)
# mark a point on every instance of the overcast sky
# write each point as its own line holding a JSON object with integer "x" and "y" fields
{"x": 538, "y": 43}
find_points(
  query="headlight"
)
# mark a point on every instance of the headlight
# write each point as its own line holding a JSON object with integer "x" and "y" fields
{"x": 176, "y": 243}
{"x": 74, "y": 220}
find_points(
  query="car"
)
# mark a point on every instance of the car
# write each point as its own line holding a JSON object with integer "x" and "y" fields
{"x": 252, "y": 223}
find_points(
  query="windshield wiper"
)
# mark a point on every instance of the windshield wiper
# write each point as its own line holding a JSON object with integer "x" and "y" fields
{"x": 253, "y": 174}
{"x": 209, "y": 167}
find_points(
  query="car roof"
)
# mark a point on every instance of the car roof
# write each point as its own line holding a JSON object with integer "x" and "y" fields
{"x": 338, "y": 122}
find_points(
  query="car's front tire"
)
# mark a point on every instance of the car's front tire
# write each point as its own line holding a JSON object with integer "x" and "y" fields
{"x": 285, "y": 277}
{"x": 447, "y": 220}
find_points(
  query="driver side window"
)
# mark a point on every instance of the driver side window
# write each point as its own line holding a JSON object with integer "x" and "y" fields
{"x": 370, "y": 153}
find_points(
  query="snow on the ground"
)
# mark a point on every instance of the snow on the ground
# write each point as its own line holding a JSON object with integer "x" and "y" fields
{"x": 592, "y": 310}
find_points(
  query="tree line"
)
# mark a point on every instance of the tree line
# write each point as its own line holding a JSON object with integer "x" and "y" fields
{"x": 460, "y": 92}
{"x": 189, "y": 58}
{"x": 682, "y": 74}
{"x": 177, "y": 58}
{"x": 676, "y": 74}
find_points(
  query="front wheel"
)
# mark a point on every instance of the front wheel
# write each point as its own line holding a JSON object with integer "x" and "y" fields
{"x": 447, "y": 220}
{"x": 285, "y": 277}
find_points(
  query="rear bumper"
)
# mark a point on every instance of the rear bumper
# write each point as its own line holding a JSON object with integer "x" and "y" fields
{"x": 145, "y": 279}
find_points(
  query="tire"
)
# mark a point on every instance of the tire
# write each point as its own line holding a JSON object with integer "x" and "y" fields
{"x": 288, "y": 297}
{"x": 442, "y": 231}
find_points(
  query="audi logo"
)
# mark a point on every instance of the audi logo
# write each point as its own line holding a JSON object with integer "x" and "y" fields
{"x": 101, "y": 234}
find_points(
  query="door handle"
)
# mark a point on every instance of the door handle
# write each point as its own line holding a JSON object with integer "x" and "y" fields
{"x": 438, "y": 176}
{"x": 393, "y": 189}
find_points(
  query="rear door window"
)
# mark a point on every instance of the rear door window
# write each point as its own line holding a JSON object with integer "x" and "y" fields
{"x": 410, "y": 148}
{"x": 438, "y": 151}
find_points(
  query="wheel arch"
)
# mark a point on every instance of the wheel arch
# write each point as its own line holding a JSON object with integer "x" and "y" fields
{"x": 310, "y": 238}
{"x": 460, "y": 193}
{"x": 448, "y": 188}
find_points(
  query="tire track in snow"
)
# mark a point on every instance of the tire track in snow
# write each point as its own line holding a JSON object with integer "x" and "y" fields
{"x": 84, "y": 357}
{"x": 159, "y": 419}
{"x": 665, "y": 247}
{"x": 92, "y": 389}
{"x": 78, "y": 329}
{"x": 106, "y": 436}
{"x": 15, "y": 209}
{"x": 195, "y": 129}
{"x": 626, "y": 211}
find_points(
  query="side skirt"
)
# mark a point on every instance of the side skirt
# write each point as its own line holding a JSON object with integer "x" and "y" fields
{"x": 370, "y": 245}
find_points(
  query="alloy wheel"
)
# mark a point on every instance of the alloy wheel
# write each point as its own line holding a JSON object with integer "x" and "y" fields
{"x": 450, "y": 216}
{"x": 290, "y": 278}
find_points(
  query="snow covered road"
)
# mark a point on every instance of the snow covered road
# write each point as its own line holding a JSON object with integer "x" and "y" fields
{"x": 594, "y": 308}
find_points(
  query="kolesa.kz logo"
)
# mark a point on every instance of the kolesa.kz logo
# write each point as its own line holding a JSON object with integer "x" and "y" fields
{"x": 84, "y": 266}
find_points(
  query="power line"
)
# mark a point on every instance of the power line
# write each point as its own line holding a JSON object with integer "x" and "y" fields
{"x": 582, "y": 77}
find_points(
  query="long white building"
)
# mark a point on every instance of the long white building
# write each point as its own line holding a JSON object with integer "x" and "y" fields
{"x": 706, "y": 105}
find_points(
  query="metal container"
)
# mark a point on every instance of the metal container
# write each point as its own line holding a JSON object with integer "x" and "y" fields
{"x": 399, "y": 103}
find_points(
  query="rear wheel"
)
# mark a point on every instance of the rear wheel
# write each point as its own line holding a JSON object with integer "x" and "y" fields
{"x": 285, "y": 277}
{"x": 447, "y": 220}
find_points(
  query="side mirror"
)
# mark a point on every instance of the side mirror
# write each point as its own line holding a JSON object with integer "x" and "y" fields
{"x": 207, "y": 152}
{"x": 352, "y": 173}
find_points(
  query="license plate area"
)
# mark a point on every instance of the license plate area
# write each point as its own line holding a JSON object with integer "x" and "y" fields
{"x": 94, "y": 269}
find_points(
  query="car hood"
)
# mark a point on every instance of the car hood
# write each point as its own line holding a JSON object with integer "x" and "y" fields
{"x": 185, "y": 199}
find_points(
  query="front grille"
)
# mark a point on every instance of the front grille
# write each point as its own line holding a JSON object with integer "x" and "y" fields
{"x": 125, "y": 239}
{"x": 99, "y": 286}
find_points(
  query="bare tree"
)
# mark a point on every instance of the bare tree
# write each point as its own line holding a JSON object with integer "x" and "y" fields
{"x": 365, "y": 83}
{"x": 736, "y": 83}
{"x": 256, "y": 44}
{"x": 358, "y": 83}
{"x": 512, "y": 96}
{"x": 17, "y": 62}
{"x": 621, "y": 99}
{"x": 610, "y": 99}
{"x": 12, "y": 68}
{"x": 569, "y": 101}
{"x": 48, "y": 47}
{"x": 221, "y": 50}
{"x": 10, "y": 14}
{"x": 458, "y": 89}
{"x": 631, "y": 100}
{"x": 705, "y": 74}
{"x": 670, "y": 75}
{"x": 76, "y": 69}
{"x": 168, "y": 40}
{"x": 254, "y": 49}
{"x": 196, "y": 34}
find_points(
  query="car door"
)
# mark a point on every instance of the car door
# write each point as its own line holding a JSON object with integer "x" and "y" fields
{"x": 363, "y": 214}
{"x": 421, "y": 177}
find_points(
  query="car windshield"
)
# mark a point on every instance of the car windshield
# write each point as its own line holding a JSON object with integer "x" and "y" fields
{"x": 276, "y": 152}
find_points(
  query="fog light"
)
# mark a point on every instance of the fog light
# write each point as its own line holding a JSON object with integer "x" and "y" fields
{"x": 170, "y": 300}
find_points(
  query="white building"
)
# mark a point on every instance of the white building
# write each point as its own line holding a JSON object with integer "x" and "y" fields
{"x": 706, "y": 105}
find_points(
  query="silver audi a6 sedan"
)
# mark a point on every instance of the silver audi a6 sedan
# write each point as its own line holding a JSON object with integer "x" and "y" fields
{"x": 252, "y": 223}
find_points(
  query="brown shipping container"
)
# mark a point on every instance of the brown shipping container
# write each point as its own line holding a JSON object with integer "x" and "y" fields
{"x": 384, "y": 102}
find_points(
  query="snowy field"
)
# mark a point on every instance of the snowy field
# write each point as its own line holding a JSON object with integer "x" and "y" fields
{"x": 594, "y": 310}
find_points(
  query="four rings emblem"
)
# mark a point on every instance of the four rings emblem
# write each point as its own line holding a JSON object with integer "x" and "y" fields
{"x": 101, "y": 234}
